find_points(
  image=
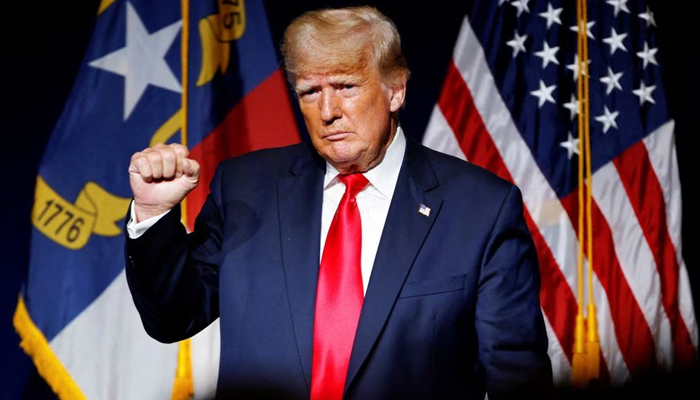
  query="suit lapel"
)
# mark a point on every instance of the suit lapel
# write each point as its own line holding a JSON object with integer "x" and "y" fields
{"x": 404, "y": 232}
{"x": 299, "y": 200}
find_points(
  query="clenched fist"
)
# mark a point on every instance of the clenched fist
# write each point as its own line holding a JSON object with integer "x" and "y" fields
{"x": 160, "y": 177}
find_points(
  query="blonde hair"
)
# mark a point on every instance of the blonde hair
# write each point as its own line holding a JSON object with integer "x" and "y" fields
{"x": 345, "y": 39}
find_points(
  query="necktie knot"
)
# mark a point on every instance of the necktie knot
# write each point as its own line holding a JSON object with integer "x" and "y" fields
{"x": 354, "y": 183}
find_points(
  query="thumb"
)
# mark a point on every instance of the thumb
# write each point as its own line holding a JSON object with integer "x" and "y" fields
{"x": 190, "y": 168}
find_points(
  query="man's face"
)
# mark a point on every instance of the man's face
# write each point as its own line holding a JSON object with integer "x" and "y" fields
{"x": 348, "y": 115}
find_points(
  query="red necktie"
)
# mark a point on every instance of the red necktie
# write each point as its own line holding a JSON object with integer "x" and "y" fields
{"x": 339, "y": 295}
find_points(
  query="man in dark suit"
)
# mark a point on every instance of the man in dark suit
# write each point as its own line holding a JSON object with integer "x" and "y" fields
{"x": 444, "y": 300}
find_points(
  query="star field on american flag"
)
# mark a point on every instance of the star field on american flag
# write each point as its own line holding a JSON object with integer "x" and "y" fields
{"x": 541, "y": 36}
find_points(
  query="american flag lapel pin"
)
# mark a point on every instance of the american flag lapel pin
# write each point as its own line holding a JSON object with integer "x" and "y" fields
{"x": 423, "y": 209}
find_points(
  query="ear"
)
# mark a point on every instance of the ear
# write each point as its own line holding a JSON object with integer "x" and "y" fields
{"x": 397, "y": 95}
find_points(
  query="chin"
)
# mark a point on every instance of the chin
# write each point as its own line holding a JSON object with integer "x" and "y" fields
{"x": 345, "y": 165}
{"x": 341, "y": 154}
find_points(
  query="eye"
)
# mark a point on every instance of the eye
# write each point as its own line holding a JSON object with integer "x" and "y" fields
{"x": 347, "y": 89}
{"x": 307, "y": 94}
{"x": 345, "y": 86}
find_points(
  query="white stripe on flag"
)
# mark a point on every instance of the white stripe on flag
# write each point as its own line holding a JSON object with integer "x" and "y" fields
{"x": 606, "y": 331}
{"x": 205, "y": 361}
{"x": 561, "y": 368}
{"x": 439, "y": 135}
{"x": 124, "y": 362}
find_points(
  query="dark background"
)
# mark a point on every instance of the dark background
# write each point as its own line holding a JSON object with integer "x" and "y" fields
{"x": 42, "y": 47}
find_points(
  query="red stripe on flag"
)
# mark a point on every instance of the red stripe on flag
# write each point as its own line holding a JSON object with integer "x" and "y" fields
{"x": 633, "y": 334}
{"x": 262, "y": 119}
{"x": 646, "y": 197}
{"x": 460, "y": 112}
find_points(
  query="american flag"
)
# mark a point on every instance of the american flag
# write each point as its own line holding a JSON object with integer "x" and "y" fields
{"x": 510, "y": 103}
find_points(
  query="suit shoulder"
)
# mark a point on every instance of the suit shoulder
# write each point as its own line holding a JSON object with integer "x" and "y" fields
{"x": 472, "y": 191}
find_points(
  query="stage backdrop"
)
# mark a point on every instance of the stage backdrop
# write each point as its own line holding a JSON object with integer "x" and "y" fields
{"x": 45, "y": 55}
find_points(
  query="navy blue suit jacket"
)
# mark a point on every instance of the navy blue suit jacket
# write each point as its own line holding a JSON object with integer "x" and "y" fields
{"x": 452, "y": 307}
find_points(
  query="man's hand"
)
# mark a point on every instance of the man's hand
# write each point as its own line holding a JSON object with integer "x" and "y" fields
{"x": 160, "y": 177}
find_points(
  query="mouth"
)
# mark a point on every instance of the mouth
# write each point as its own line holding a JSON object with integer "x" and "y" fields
{"x": 335, "y": 136}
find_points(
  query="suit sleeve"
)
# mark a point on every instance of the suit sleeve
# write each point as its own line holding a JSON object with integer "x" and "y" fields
{"x": 509, "y": 322}
{"x": 173, "y": 276}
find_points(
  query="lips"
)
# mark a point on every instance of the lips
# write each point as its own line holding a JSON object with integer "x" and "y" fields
{"x": 336, "y": 136}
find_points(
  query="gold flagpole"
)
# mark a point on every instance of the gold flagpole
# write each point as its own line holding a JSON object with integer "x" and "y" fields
{"x": 183, "y": 386}
{"x": 586, "y": 362}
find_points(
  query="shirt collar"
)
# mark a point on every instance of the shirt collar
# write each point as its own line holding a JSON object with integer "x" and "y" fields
{"x": 385, "y": 174}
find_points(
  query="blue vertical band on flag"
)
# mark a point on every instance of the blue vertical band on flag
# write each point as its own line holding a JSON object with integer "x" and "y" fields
{"x": 92, "y": 142}
{"x": 76, "y": 316}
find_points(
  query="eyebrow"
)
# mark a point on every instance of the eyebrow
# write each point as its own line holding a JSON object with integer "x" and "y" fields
{"x": 303, "y": 87}
{"x": 333, "y": 80}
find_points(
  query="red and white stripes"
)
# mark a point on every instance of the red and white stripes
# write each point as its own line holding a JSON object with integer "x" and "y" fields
{"x": 641, "y": 288}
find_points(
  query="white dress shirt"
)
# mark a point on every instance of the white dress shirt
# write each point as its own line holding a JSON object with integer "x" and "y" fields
{"x": 373, "y": 202}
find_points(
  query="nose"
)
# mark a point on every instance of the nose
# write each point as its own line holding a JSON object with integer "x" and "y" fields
{"x": 330, "y": 110}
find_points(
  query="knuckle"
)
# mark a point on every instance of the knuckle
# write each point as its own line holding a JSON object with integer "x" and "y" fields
{"x": 180, "y": 150}
{"x": 168, "y": 156}
{"x": 153, "y": 157}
